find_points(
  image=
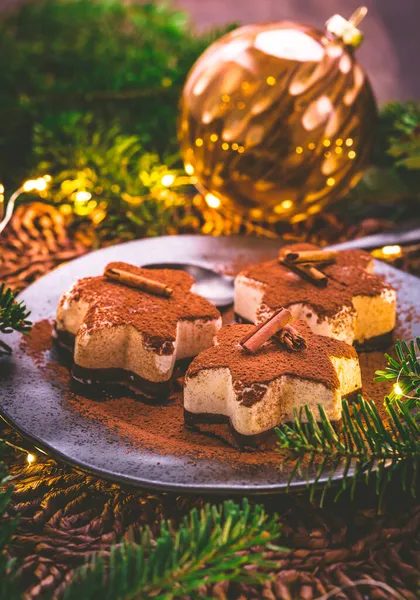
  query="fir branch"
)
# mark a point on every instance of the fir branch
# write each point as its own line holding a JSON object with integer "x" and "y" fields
{"x": 405, "y": 371}
{"x": 401, "y": 129}
{"x": 108, "y": 58}
{"x": 210, "y": 546}
{"x": 390, "y": 187}
{"x": 9, "y": 585}
{"x": 13, "y": 315}
{"x": 364, "y": 445}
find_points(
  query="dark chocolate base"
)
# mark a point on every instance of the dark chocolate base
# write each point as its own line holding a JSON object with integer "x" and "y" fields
{"x": 64, "y": 339}
{"x": 102, "y": 378}
{"x": 380, "y": 342}
{"x": 105, "y": 382}
{"x": 241, "y": 441}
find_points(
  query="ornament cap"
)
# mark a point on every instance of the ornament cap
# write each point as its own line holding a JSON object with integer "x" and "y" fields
{"x": 346, "y": 29}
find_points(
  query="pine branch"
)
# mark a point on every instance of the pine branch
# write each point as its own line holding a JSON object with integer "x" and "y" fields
{"x": 364, "y": 445}
{"x": 390, "y": 187}
{"x": 405, "y": 371}
{"x": 210, "y": 546}
{"x": 9, "y": 587}
{"x": 13, "y": 315}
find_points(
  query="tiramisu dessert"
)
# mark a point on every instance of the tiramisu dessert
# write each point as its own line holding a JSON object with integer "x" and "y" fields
{"x": 131, "y": 325}
{"x": 256, "y": 377}
{"x": 335, "y": 293}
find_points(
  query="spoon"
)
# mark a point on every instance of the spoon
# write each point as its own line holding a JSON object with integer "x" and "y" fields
{"x": 219, "y": 290}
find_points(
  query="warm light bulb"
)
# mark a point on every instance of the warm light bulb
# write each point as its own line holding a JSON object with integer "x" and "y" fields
{"x": 391, "y": 250}
{"x": 330, "y": 181}
{"x": 168, "y": 180}
{"x": 352, "y": 154}
{"x": 1, "y": 189}
{"x": 299, "y": 150}
{"x": 212, "y": 201}
{"x": 285, "y": 205}
{"x": 199, "y": 142}
{"x": 189, "y": 169}
{"x": 40, "y": 184}
{"x": 29, "y": 185}
{"x": 398, "y": 390}
{"x": 30, "y": 458}
{"x": 83, "y": 196}
{"x": 271, "y": 80}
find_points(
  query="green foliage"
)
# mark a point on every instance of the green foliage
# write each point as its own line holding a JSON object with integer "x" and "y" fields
{"x": 209, "y": 546}
{"x": 125, "y": 181}
{"x": 86, "y": 84}
{"x": 106, "y": 58}
{"x": 404, "y": 370}
{"x": 365, "y": 445}
{"x": 400, "y": 133}
{"x": 9, "y": 587}
{"x": 391, "y": 186}
{"x": 13, "y": 315}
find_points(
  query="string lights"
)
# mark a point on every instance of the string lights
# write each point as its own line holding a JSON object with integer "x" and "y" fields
{"x": 31, "y": 185}
{"x": 388, "y": 252}
{"x": 30, "y": 457}
{"x": 82, "y": 203}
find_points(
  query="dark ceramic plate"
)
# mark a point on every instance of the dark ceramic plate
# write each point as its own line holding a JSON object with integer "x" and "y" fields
{"x": 123, "y": 439}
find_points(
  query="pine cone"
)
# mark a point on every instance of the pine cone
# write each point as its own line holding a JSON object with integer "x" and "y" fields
{"x": 34, "y": 242}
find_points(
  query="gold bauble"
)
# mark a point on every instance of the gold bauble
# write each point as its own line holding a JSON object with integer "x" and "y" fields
{"x": 277, "y": 120}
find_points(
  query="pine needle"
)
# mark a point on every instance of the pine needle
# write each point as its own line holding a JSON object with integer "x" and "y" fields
{"x": 211, "y": 545}
{"x": 13, "y": 315}
{"x": 9, "y": 586}
{"x": 364, "y": 445}
{"x": 405, "y": 370}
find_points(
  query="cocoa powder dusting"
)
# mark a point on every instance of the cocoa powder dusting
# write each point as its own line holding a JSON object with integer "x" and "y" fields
{"x": 39, "y": 340}
{"x": 155, "y": 427}
{"x": 346, "y": 278}
{"x": 251, "y": 371}
{"x": 156, "y": 317}
{"x": 160, "y": 428}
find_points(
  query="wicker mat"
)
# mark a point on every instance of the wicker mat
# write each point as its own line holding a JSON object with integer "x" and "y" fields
{"x": 64, "y": 515}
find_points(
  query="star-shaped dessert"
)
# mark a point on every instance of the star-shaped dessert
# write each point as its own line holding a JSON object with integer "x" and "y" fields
{"x": 127, "y": 335}
{"x": 355, "y": 305}
{"x": 256, "y": 392}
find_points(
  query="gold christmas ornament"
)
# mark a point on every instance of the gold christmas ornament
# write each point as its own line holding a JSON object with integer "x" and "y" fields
{"x": 277, "y": 120}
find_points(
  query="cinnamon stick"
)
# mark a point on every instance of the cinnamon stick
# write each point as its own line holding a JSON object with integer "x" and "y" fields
{"x": 264, "y": 331}
{"x": 308, "y": 272}
{"x": 292, "y": 338}
{"x": 309, "y": 256}
{"x": 138, "y": 281}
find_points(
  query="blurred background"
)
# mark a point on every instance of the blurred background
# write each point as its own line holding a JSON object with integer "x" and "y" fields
{"x": 90, "y": 102}
{"x": 389, "y": 54}
{"x": 390, "y": 50}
